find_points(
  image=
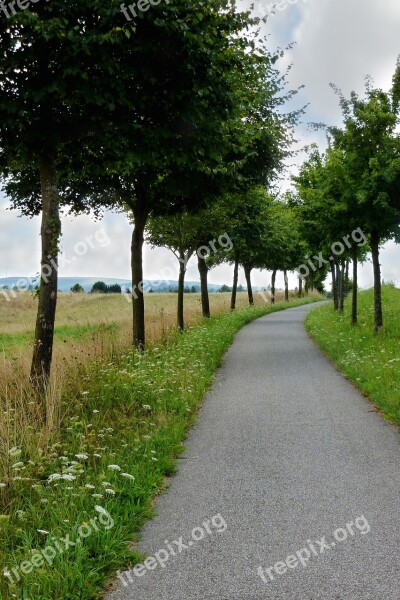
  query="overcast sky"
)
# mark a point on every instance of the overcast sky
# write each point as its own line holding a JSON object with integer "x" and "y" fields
{"x": 337, "y": 41}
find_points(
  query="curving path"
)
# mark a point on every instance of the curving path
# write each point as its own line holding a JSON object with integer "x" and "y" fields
{"x": 289, "y": 488}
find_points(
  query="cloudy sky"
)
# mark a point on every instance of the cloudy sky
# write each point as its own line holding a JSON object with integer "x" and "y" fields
{"x": 337, "y": 41}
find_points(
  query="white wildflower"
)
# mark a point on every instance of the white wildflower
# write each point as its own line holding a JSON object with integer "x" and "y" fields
{"x": 43, "y": 531}
{"x": 66, "y": 477}
{"x": 114, "y": 468}
{"x": 14, "y": 452}
{"x": 128, "y": 476}
{"x": 109, "y": 491}
{"x": 82, "y": 456}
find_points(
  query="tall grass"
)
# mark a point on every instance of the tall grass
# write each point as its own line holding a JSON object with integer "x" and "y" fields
{"x": 370, "y": 360}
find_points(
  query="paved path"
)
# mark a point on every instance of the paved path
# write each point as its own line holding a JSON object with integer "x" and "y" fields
{"x": 285, "y": 451}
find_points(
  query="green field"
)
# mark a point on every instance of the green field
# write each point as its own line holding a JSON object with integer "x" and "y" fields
{"x": 370, "y": 360}
{"x": 122, "y": 428}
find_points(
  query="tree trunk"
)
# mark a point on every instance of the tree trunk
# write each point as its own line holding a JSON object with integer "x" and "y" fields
{"x": 307, "y": 285}
{"x": 337, "y": 270}
{"x": 300, "y": 287}
{"x": 50, "y": 235}
{"x": 341, "y": 287}
{"x": 181, "y": 291}
{"x": 375, "y": 239}
{"x": 273, "y": 280}
{"x": 235, "y": 283}
{"x": 354, "y": 304}
{"x": 286, "y": 286}
{"x": 247, "y": 273}
{"x": 346, "y": 277}
{"x": 140, "y": 214}
{"x": 334, "y": 286}
{"x": 205, "y": 299}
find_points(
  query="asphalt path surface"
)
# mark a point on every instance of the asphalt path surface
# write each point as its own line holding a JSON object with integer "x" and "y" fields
{"x": 289, "y": 487}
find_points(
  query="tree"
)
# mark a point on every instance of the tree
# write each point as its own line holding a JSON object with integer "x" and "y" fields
{"x": 249, "y": 229}
{"x": 66, "y": 69}
{"x": 180, "y": 151}
{"x": 99, "y": 287}
{"x": 354, "y": 187}
{"x": 77, "y": 289}
{"x": 326, "y": 186}
{"x": 372, "y": 143}
{"x": 178, "y": 233}
{"x": 204, "y": 139}
{"x": 283, "y": 250}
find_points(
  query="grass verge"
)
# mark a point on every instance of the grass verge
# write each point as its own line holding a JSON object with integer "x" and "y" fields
{"x": 369, "y": 360}
{"x": 69, "y": 510}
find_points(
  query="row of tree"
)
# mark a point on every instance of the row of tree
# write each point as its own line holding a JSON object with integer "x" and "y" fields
{"x": 355, "y": 187}
{"x": 176, "y": 118}
{"x": 264, "y": 232}
{"x": 170, "y": 111}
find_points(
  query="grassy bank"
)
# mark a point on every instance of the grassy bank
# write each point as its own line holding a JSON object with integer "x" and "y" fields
{"x": 371, "y": 361}
{"x": 94, "y": 483}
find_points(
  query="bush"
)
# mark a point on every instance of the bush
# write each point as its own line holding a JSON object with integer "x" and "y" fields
{"x": 100, "y": 287}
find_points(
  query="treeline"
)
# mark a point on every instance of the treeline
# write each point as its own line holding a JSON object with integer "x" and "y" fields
{"x": 177, "y": 118}
{"x": 163, "y": 115}
{"x": 349, "y": 196}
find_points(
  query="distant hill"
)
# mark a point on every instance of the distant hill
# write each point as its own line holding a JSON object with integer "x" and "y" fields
{"x": 65, "y": 284}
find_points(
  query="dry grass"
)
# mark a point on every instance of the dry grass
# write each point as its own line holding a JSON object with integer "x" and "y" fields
{"x": 89, "y": 329}
{"x": 86, "y": 316}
